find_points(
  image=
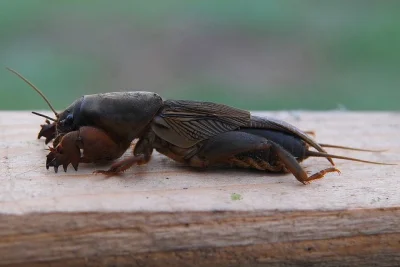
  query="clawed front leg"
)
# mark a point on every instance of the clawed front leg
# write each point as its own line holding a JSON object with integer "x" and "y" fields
{"x": 97, "y": 146}
{"x": 48, "y": 131}
{"x": 65, "y": 153}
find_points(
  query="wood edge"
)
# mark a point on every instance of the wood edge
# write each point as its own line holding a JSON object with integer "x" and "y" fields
{"x": 130, "y": 238}
{"x": 373, "y": 250}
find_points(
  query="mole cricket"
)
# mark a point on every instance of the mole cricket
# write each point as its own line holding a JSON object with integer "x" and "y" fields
{"x": 195, "y": 133}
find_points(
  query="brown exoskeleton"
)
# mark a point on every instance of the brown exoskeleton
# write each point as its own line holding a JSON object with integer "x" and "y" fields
{"x": 199, "y": 134}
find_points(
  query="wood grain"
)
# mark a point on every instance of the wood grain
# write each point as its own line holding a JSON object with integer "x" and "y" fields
{"x": 168, "y": 213}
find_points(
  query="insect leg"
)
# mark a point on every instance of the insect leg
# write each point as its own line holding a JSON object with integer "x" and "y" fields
{"x": 223, "y": 147}
{"x": 321, "y": 174}
{"x": 312, "y": 133}
{"x": 141, "y": 155}
{"x": 65, "y": 153}
{"x": 48, "y": 131}
{"x": 96, "y": 144}
{"x": 125, "y": 164}
{"x": 294, "y": 167}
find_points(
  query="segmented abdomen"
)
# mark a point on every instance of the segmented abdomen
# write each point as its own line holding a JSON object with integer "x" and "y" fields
{"x": 261, "y": 160}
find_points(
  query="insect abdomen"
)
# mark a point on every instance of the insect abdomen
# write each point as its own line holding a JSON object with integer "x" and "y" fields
{"x": 290, "y": 143}
{"x": 260, "y": 160}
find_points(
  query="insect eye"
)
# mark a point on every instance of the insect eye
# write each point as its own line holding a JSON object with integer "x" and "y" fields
{"x": 68, "y": 120}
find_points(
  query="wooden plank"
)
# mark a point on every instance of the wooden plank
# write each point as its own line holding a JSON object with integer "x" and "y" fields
{"x": 166, "y": 212}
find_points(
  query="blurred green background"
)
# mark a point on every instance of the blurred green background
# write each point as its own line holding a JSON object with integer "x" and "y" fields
{"x": 258, "y": 55}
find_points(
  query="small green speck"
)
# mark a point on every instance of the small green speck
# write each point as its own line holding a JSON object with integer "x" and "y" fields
{"x": 235, "y": 196}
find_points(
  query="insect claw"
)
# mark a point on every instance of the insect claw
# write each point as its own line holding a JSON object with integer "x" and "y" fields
{"x": 49, "y": 160}
{"x": 75, "y": 164}
{"x": 108, "y": 173}
{"x": 65, "y": 166}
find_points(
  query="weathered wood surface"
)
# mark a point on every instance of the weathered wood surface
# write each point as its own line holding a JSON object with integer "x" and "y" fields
{"x": 166, "y": 214}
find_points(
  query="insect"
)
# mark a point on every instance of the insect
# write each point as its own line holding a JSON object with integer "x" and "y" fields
{"x": 199, "y": 134}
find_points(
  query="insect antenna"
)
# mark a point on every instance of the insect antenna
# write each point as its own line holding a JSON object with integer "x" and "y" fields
{"x": 44, "y": 116}
{"x": 36, "y": 89}
{"x": 325, "y": 155}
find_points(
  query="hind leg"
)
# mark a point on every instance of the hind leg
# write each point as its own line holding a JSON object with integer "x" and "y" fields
{"x": 293, "y": 166}
{"x": 224, "y": 148}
